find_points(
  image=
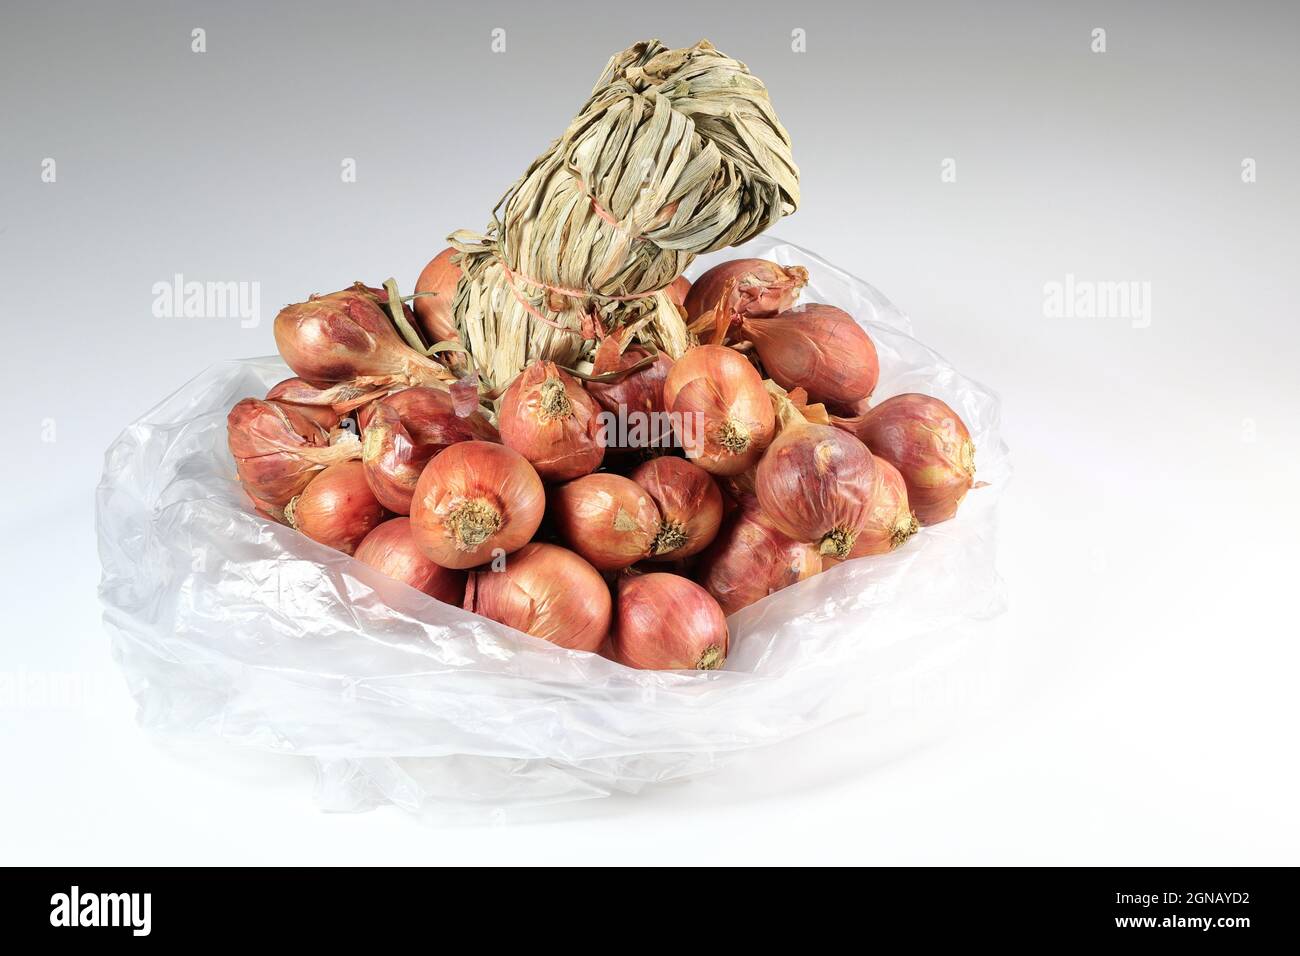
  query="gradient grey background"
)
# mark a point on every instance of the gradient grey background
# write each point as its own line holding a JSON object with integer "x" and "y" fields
{"x": 1145, "y": 707}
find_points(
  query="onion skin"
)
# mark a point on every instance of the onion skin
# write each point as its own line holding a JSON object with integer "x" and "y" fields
{"x": 337, "y": 509}
{"x": 667, "y": 622}
{"x": 404, "y": 431}
{"x": 278, "y": 450}
{"x": 930, "y": 446}
{"x": 891, "y": 521}
{"x": 818, "y": 348}
{"x": 391, "y": 549}
{"x": 763, "y": 288}
{"x": 641, "y": 391}
{"x": 751, "y": 559}
{"x": 548, "y": 417}
{"x": 433, "y": 312}
{"x": 689, "y": 502}
{"x": 717, "y": 386}
{"x": 548, "y": 592}
{"x": 322, "y": 413}
{"x": 347, "y": 335}
{"x": 474, "y": 500}
{"x": 816, "y": 483}
{"x": 609, "y": 520}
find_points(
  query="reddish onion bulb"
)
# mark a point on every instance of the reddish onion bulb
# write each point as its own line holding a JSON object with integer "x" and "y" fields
{"x": 678, "y": 290}
{"x": 548, "y": 592}
{"x": 640, "y": 392}
{"x": 292, "y": 391}
{"x": 405, "y": 430}
{"x": 347, "y": 335}
{"x": 391, "y": 550}
{"x": 690, "y": 506}
{"x": 433, "y": 312}
{"x": 606, "y": 518}
{"x": 818, "y": 348}
{"x": 548, "y": 418}
{"x": 667, "y": 622}
{"x": 337, "y": 508}
{"x": 929, "y": 445}
{"x": 816, "y": 483}
{"x": 751, "y": 559}
{"x": 474, "y": 500}
{"x": 720, "y": 409}
{"x": 278, "y": 450}
{"x": 890, "y": 522}
{"x": 762, "y": 287}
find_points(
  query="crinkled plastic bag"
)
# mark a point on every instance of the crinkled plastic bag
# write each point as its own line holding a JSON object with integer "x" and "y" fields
{"x": 230, "y": 626}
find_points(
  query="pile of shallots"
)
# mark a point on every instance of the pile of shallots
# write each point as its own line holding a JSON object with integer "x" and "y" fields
{"x": 625, "y": 507}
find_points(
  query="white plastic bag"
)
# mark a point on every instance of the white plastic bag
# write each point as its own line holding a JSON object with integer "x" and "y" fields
{"x": 230, "y": 626}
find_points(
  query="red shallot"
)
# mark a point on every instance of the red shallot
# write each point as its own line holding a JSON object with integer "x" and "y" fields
{"x": 690, "y": 506}
{"x": 762, "y": 288}
{"x": 891, "y": 521}
{"x": 391, "y": 550}
{"x": 337, "y": 508}
{"x": 635, "y": 416}
{"x": 435, "y": 292}
{"x": 667, "y": 622}
{"x": 751, "y": 559}
{"x": 548, "y": 417}
{"x": 719, "y": 408}
{"x": 608, "y": 519}
{"x": 818, "y": 348}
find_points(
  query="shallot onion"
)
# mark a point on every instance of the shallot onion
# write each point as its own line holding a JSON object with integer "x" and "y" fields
{"x": 762, "y": 288}
{"x": 548, "y": 592}
{"x": 818, "y": 348}
{"x": 690, "y": 506}
{"x": 406, "y": 429}
{"x": 634, "y": 402}
{"x": 337, "y": 508}
{"x": 816, "y": 482}
{"x": 667, "y": 622}
{"x": 548, "y": 417}
{"x": 719, "y": 408}
{"x": 347, "y": 336}
{"x": 435, "y": 292}
{"x": 278, "y": 450}
{"x": 475, "y": 501}
{"x": 890, "y": 522}
{"x": 391, "y": 550}
{"x": 608, "y": 519}
{"x": 751, "y": 559}
{"x": 929, "y": 445}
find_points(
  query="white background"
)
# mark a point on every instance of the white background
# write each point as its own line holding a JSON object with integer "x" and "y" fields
{"x": 1137, "y": 702}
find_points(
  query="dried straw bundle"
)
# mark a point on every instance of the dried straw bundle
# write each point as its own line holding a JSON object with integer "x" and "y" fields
{"x": 676, "y": 153}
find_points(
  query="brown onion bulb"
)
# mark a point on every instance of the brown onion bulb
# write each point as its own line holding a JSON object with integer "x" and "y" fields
{"x": 721, "y": 411}
{"x": 891, "y": 521}
{"x": 433, "y": 311}
{"x": 667, "y": 622}
{"x": 278, "y": 450}
{"x": 751, "y": 559}
{"x": 347, "y": 335}
{"x": 548, "y": 418}
{"x": 292, "y": 391}
{"x": 678, "y": 290}
{"x": 690, "y": 506}
{"x": 606, "y": 518}
{"x": 816, "y": 483}
{"x": 636, "y": 401}
{"x": 929, "y": 445}
{"x": 404, "y": 431}
{"x": 391, "y": 550}
{"x": 337, "y": 508}
{"x": 762, "y": 288}
{"x": 818, "y": 348}
{"x": 474, "y": 501}
{"x": 548, "y": 592}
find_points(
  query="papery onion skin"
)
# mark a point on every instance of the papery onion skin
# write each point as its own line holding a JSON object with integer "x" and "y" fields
{"x": 816, "y": 483}
{"x": 640, "y": 392}
{"x": 406, "y": 429}
{"x": 347, "y": 335}
{"x": 548, "y": 592}
{"x": 391, "y": 549}
{"x": 667, "y": 622}
{"x": 278, "y": 450}
{"x": 763, "y": 287}
{"x": 475, "y": 500}
{"x": 930, "y": 446}
{"x": 891, "y": 521}
{"x": 607, "y": 519}
{"x": 720, "y": 409}
{"x": 818, "y": 348}
{"x": 337, "y": 508}
{"x": 689, "y": 502}
{"x": 548, "y": 417}
{"x": 751, "y": 559}
{"x": 433, "y": 312}
{"x": 323, "y": 415}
